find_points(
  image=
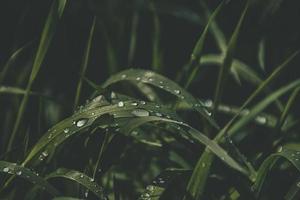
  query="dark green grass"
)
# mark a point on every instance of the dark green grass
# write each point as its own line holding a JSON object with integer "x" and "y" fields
{"x": 216, "y": 121}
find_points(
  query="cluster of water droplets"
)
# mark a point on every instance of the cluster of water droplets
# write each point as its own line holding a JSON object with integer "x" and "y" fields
{"x": 43, "y": 155}
{"x": 159, "y": 83}
{"x": 148, "y": 193}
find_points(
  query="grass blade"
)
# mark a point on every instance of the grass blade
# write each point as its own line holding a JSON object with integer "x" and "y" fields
{"x": 12, "y": 60}
{"x": 261, "y": 54}
{"x": 85, "y": 62}
{"x": 193, "y": 66}
{"x": 80, "y": 178}
{"x": 17, "y": 170}
{"x": 156, "y": 50}
{"x": 149, "y": 77}
{"x": 287, "y": 108}
{"x": 228, "y": 59}
{"x": 291, "y": 155}
{"x": 54, "y": 15}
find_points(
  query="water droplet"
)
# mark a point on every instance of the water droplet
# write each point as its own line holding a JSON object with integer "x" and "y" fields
{"x": 150, "y": 187}
{"x": 177, "y": 91}
{"x": 45, "y": 153}
{"x": 98, "y": 98}
{"x": 120, "y": 104}
{"x": 142, "y": 102}
{"x": 161, "y": 86}
{"x": 81, "y": 122}
{"x": 66, "y": 130}
{"x": 261, "y": 120}
{"x": 208, "y": 103}
{"x": 6, "y": 169}
{"x": 158, "y": 114}
{"x": 93, "y": 113}
{"x": 134, "y": 103}
{"x": 113, "y": 95}
{"x": 146, "y": 195}
{"x": 245, "y": 112}
{"x": 160, "y": 82}
{"x": 19, "y": 173}
{"x": 140, "y": 113}
{"x": 134, "y": 133}
{"x": 123, "y": 76}
{"x": 86, "y": 194}
{"x": 280, "y": 149}
{"x": 81, "y": 176}
{"x": 92, "y": 180}
{"x": 138, "y": 78}
{"x": 160, "y": 180}
{"x": 150, "y": 79}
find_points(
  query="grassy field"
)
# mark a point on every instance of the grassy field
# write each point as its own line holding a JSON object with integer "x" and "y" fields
{"x": 149, "y": 100}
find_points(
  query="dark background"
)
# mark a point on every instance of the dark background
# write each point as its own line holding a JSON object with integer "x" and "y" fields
{"x": 181, "y": 23}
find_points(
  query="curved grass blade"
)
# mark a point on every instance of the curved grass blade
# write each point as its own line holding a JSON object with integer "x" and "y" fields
{"x": 27, "y": 174}
{"x": 190, "y": 132}
{"x": 215, "y": 30}
{"x": 198, "y": 180}
{"x": 294, "y": 191}
{"x": 228, "y": 59}
{"x": 14, "y": 90}
{"x": 20, "y": 91}
{"x": 54, "y": 15}
{"x": 261, "y": 54}
{"x": 194, "y": 190}
{"x": 287, "y": 108}
{"x": 193, "y": 66}
{"x": 12, "y": 60}
{"x": 291, "y": 155}
{"x": 258, "y": 108}
{"x": 149, "y": 77}
{"x": 85, "y": 62}
{"x": 80, "y": 178}
{"x": 141, "y": 112}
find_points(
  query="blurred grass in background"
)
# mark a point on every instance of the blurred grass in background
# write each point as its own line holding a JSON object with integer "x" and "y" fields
{"x": 55, "y": 55}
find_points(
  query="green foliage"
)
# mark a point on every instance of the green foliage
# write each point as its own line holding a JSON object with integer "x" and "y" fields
{"x": 222, "y": 124}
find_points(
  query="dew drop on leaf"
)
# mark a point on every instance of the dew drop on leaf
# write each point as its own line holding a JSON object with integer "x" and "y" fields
{"x": 158, "y": 114}
{"x": 66, "y": 130}
{"x": 123, "y": 76}
{"x": 113, "y": 95}
{"x": 81, "y": 122}
{"x": 140, "y": 113}
{"x": 6, "y": 169}
{"x": 261, "y": 120}
{"x": 177, "y": 91}
{"x": 120, "y": 104}
{"x": 134, "y": 103}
